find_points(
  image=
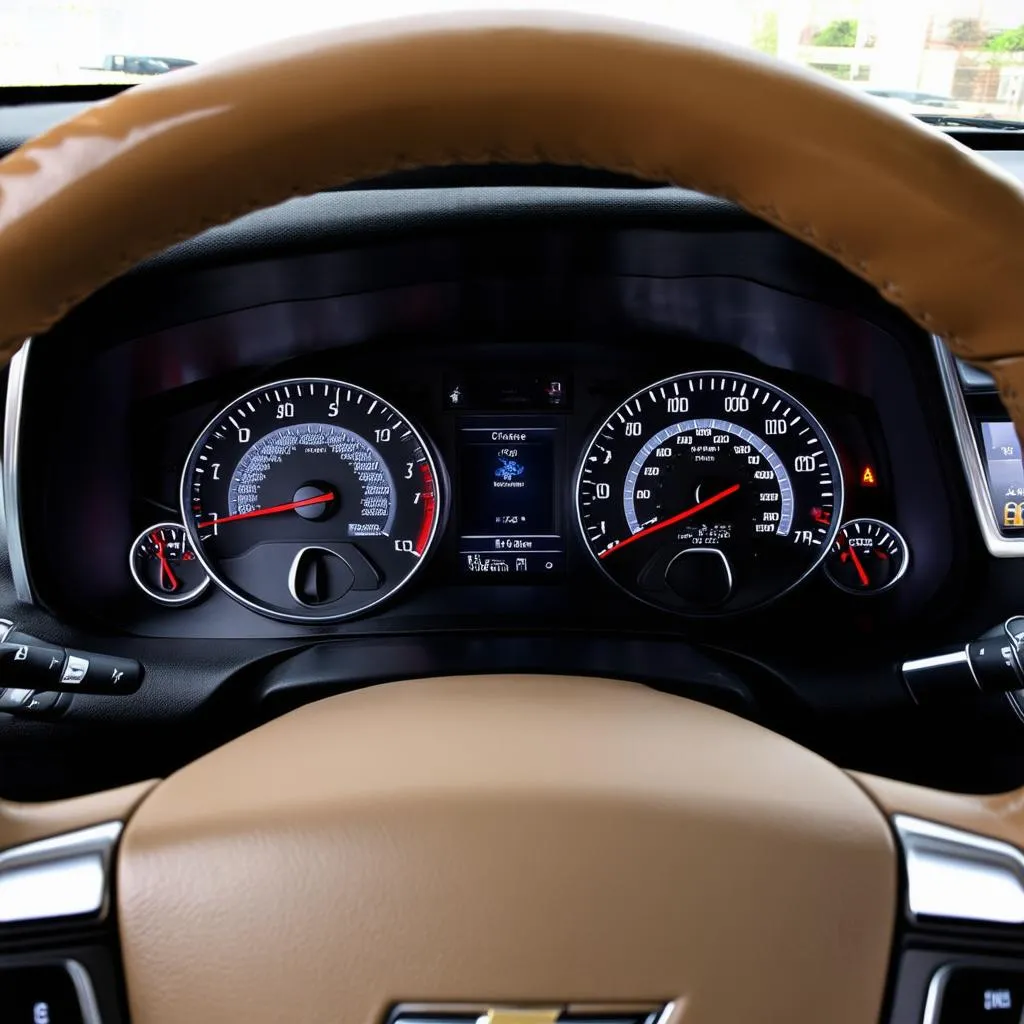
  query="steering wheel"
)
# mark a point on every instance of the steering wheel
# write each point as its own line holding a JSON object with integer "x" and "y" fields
{"x": 522, "y": 842}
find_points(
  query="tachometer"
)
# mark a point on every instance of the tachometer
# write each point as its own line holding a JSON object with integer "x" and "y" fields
{"x": 709, "y": 493}
{"x": 311, "y": 500}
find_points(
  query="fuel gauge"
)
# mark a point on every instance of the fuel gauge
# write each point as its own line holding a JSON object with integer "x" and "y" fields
{"x": 165, "y": 567}
{"x": 868, "y": 557}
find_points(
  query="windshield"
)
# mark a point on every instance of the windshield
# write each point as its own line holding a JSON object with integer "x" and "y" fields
{"x": 961, "y": 58}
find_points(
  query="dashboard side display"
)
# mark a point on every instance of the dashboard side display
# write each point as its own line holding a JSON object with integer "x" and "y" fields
{"x": 1004, "y": 468}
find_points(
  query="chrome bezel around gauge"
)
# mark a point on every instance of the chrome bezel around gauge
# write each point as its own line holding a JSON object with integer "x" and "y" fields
{"x": 177, "y": 600}
{"x": 900, "y": 573}
{"x": 430, "y": 457}
{"x": 744, "y": 381}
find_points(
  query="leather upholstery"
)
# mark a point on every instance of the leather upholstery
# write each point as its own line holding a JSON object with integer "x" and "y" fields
{"x": 22, "y": 823}
{"x": 507, "y": 839}
{"x": 999, "y": 815}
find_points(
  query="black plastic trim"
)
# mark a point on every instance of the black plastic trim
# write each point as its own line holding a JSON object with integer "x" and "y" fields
{"x": 331, "y": 220}
{"x": 36, "y": 95}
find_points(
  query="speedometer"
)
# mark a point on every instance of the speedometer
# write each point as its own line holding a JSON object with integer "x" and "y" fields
{"x": 709, "y": 493}
{"x": 311, "y": 500}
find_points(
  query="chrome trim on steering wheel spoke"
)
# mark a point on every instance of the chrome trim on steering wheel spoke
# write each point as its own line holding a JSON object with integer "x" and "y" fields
{"x": 85, "y": 992}
{"x": 933, "y": 1001}
{"x": 959, "y": 875}
{"x": 11, "y": 474}
{"x": 64, "y": 876}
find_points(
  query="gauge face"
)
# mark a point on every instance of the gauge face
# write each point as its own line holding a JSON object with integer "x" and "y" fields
{"x": 311, "y": 500}
{"x": 709, "y": 493}
{"x": 164, "y": 565}
{"x": 868, "y": 557}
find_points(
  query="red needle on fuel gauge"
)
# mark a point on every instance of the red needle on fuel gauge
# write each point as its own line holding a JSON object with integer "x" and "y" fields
{"x": 691, "y": 511}
{"x": 165, "y": 567}
{"x": 865, "y": 581}
{"x": 317, "y": 499}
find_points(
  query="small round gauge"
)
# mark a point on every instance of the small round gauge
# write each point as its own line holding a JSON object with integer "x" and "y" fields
{"x": 164, "y": 565}
{"x": 709, "y": 493}
{"x": 311, "y": 500}
{"x": 869, "y": 556}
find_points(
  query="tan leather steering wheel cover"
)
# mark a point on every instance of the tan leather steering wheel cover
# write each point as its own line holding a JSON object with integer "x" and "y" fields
{"x": 931, "y": 227}
{"x": 507, "y": 839}
{"x": 995, "y": 815}
{"x": 28, "y": 822}
{"x": 283, "y": 852}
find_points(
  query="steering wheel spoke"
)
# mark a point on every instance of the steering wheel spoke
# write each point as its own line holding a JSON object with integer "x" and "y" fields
{"x": 59, "y": 956}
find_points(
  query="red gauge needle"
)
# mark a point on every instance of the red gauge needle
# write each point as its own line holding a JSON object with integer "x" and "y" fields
{"x": 165, "y": 566}
{"x": 318, "y": 499}
{"x": 692, "y": 511}
{"x": 864, "y": 580}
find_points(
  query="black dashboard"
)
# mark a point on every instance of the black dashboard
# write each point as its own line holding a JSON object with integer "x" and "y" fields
{"x": 476, "y": 358}
{"x": 533, "y": 339}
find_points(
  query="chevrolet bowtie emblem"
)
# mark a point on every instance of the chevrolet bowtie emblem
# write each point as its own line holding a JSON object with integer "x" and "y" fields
{"x": 574, "y": 1013}
{"x": 523, "y": 1015}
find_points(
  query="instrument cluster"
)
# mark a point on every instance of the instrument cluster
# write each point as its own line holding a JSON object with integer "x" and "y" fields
{"x": 706, "y": 493}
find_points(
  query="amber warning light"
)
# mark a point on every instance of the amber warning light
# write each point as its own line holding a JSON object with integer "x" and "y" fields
{"x": 868, "y": 477}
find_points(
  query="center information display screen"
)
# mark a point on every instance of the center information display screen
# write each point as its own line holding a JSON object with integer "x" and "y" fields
{"x": 509, "y": 509}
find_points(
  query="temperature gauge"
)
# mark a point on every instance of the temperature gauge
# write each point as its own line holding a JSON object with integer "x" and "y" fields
{"x": 165, "y": 567}
{"x": 868, "y": 556}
